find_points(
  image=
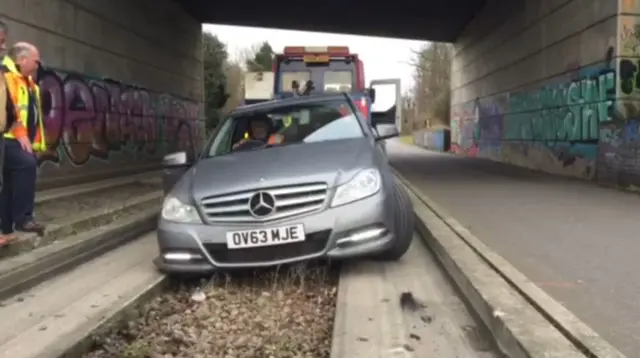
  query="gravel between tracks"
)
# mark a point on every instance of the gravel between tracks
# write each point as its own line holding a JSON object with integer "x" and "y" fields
{"x": 272, "y": 313}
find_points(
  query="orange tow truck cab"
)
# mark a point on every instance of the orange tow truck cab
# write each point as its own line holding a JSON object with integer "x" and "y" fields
{"x": 330, "y": 68}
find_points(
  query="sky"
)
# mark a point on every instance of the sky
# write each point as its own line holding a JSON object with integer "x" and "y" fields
{"x": 383, "y": 57}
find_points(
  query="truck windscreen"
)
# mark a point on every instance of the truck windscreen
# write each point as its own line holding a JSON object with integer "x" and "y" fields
{"x": 334, "y": 76}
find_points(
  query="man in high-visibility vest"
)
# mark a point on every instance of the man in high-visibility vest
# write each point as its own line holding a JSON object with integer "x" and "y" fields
{"x": 24, "y": 137}
{"x": 259, "y": 130}
{"x": 4, "y": 31}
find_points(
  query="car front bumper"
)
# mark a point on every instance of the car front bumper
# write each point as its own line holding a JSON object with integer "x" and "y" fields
{"x": 362, "y": 228}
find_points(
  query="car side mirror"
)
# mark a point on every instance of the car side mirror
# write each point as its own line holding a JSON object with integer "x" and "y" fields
{"x": 178, "y": 159}
{"x": 174, "y": 166}
{"x": 371, "y": 92}
{"x": 386, "y": 131}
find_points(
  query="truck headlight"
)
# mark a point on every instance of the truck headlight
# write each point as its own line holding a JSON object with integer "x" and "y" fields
{"x": 177, "y": 211}
{"x": 363, "y": 185}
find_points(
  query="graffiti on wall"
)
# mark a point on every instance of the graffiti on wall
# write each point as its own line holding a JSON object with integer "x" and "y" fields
{"x": 554, "y": 127}
{"x": 585, "y": 122}
{"x": 565, "y": 119}
{"x": 98, "y": 118}
{"x": 619, "y": 143}
{"x": 630, "y": 37}
{"x": 477, "y": 129}
{"x": 619, "y": 153}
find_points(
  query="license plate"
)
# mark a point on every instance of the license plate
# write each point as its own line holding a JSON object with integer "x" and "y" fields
{"x": 265, "y": 237}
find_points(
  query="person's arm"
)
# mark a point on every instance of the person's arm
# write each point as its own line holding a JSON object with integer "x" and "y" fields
{"x": 18, "y": 130}
{"x": 241, "y": 141}
{"x": 238, "y": 143}
{"x": 22, "y": 136}
{"x": 3, "y": 104}
{"x": 15, "y": 127}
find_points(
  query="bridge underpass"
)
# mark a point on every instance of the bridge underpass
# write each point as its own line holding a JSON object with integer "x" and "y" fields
{"x": 549, "y": 86}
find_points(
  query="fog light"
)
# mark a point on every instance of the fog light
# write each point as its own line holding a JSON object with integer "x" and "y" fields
{"x": 180, "y": 256}
{"x": 362, "y": 235}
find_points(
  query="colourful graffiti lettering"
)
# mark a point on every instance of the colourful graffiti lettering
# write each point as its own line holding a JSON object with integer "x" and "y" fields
{"x": 93, "y": 118}
{"x": 554, "y": 128}
{"x": 585, "y": 122}
{"x": 568, "y": 112}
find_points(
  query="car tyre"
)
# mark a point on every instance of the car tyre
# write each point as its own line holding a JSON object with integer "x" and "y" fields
{"x": 404, "y": 225}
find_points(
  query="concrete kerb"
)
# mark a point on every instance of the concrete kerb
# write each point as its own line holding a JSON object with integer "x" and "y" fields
{"x": 581, "y": 336}
{"x": 339, "y": 322}
{"x": 117, "y": 317}
{"x": 22, "y": 272}
{"x": 77, "y": 223}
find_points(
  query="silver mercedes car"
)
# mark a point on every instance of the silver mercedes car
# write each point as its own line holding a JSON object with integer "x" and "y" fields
{"x": 280, "y": 182}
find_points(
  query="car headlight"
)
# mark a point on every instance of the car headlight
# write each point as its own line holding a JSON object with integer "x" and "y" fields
{"x": 364, "y": 184}
{"x": 177, "y": 211}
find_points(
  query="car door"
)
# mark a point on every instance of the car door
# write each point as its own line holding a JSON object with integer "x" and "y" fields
{"x": 387, "y": 105}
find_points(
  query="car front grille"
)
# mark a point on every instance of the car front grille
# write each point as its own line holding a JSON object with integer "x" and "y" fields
{"x": 314, "y": 243}
{"x": 289, "y": 201}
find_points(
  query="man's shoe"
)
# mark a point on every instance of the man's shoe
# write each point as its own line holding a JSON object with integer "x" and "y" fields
{"x": 31, "y": 227}
{"x": 6, "y": 239}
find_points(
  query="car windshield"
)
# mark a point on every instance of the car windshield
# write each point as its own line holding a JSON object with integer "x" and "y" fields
{"x": 278, "y": 126}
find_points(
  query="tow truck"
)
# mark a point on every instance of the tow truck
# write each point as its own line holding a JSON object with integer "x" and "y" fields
{"x": 327, "y": 69}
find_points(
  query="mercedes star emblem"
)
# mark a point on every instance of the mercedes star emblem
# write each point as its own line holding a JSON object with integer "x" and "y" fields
{"x": 262, "y": 204}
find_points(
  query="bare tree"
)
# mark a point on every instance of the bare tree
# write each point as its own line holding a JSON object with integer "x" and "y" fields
{"x": 234, "y": 73}
{"x": 432, "y": 85}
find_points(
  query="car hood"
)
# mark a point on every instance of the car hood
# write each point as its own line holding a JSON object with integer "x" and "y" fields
{"x": 331, "y": 162}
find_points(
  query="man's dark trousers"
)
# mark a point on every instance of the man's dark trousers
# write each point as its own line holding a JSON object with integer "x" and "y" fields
{"x": 1, "y": 161}
{"x": 18, "y": 194}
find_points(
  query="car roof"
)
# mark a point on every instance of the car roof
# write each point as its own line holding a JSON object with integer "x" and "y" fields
{"x": 272, "y": 104}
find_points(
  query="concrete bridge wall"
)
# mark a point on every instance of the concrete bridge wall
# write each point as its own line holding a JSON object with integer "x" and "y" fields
{"x": 125, "y": 77}
{"x": 552, "y": 85}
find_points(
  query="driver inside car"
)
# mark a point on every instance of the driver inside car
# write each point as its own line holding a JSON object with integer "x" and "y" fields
{"x": 259, "y": 129}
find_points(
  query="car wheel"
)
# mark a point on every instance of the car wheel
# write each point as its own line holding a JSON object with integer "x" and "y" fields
{"x": 404, "y": 219}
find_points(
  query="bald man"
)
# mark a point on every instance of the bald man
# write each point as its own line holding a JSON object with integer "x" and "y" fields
{"x": 24, "y": 137}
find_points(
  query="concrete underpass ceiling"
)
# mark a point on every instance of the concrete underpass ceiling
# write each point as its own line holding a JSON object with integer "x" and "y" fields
{"x": 433, "y": 20}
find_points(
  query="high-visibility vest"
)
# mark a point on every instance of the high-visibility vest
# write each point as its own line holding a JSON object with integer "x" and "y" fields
{"x": 287, "y": 120}
{"x": 3, "y": 104}
{"x": 275, "y": 139}
{"x": 19, "y": 87}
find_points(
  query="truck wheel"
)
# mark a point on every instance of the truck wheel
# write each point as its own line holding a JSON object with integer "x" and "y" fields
{"x": 404, "y": 219}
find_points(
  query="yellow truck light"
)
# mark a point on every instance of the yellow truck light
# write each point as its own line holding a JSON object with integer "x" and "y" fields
{"x": 316, "y": 58}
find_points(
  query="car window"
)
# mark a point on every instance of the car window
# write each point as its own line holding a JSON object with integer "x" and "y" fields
{"x": 337, "y": 81}
{"x": 289, "y": 76}
{"x": 222, "y": 140}
{"x": 279, "y": 126}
